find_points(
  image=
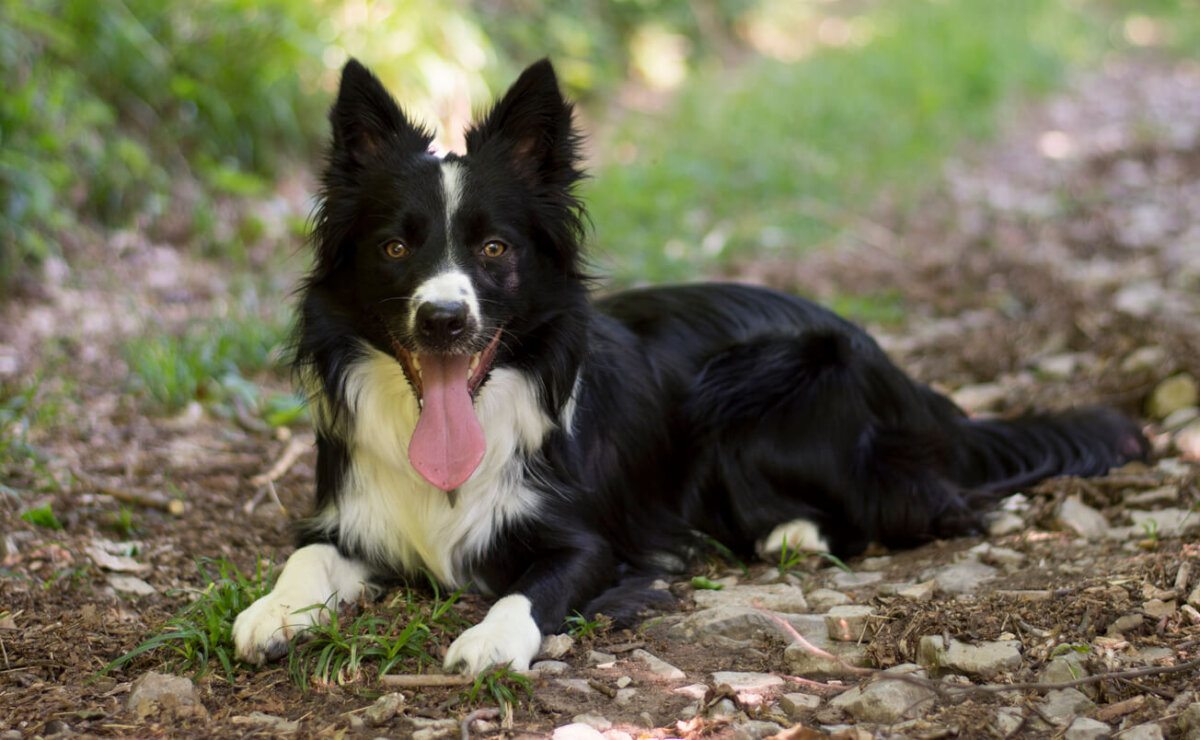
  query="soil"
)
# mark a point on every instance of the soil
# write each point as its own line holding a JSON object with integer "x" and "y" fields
{"x": 1075, "y": 235}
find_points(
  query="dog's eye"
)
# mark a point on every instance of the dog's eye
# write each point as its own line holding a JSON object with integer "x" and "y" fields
{"x": 494, "y": 249}
{"x": 396, "y": 249}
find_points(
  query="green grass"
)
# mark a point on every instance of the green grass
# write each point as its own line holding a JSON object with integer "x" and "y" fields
{"x": 760, "y": 159}
{"x": 789, "y": 560}
{"x": 499, "y": 685}
{"x": 582, "y": 627}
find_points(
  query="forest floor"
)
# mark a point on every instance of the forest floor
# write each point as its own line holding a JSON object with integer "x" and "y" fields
{"x": 1057, "y": 266}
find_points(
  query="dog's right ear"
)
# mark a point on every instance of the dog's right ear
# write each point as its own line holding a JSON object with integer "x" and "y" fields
{"x": 366, "y": 120}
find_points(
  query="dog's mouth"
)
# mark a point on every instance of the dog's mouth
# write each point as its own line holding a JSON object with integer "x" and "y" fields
{"x": 448, "y": 443}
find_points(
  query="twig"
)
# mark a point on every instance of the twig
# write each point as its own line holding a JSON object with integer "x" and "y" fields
{"x": 173, "y": 506}
{"x": 483, "y": 713}
{"x": 624, "y": 647}
{"x": 606, "y": 690}
{"x": 296, "y": 447}
{"x": 275, "y": 497}
{"x": 438, "y": 680}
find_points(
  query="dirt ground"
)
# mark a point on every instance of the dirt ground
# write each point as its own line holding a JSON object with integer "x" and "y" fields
{"x": 1058, "y": 266}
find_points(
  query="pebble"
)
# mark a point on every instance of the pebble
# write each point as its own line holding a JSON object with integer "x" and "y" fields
{"x": 849, "y": 623}
{"x": 801, "y": 662}
{"x": 267, "y": 721}
{"x": 384, "y": 709}
{"x": 1189, "y": 722}
{"x": 131, "y": 585}
{"x": 1145, "y": 359}
{"x": 1085, "y": 728}
{"x": 999, "y": 556}
{"x": 577, "y": 731}
{"x": 985, "y": 659}
{"x": 624, "y": 681}
{"x": 823, "y": 599}
{"x": 556, "y": 646}
{"x": 595, "y": 721}
{"x": 1009, "y": 720}
{"x": 1187, "y": 440}
{"x": 842, "y": 579}
{"x": 797, "y": 703}
{"x": 1181, "y": 417}
{"x": 1174, "y": 393}
{"x": 755, "y": 729}
{"x": 1169, "y": 522}
{"x": 1143, "y": 732}
{"x": 749, "y": 687}
{"x": 1161, "y": 495}
{"x": 961, "y": 578}
{"x": 658, "y": 666}
{"x": 922, "y": 591}
{"x": 1157, "y": 608}
{"x": 551, "y": 667}
{"x": 886, "y": 701}
{"x": 1001, "y": 523}
{"x": 1125, "y": 623}
{"x": 1083, "y": 520}
{"x": 154, "y": 688}
{"x": 1062, "y": 706}
{"x": 723, "y": 708}
{"x": 1063, "y": 668}
{"x": 695, "y": 691}
{"x": 1194, "y": 597}
{"x": 777, "y": 597}
{"x": 982, "y": 397}
{"x": 624, "y": 696}
{"x": 734, "y": 622}
{"x": 598, "y": 658}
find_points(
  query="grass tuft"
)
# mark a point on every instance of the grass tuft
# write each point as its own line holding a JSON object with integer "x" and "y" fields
{"x": 500, "y": 685}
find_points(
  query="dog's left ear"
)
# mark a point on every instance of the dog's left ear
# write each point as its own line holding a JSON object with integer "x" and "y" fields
{"x": 532, "y": 126}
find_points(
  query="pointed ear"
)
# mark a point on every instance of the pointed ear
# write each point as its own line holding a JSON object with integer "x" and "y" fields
{"x": 365, "y": 119}
{"x": 532, "y": 126}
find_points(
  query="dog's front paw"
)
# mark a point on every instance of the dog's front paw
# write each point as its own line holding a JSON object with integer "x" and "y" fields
{"x": 507, "y": 634}
{"x": 264, "y": 631}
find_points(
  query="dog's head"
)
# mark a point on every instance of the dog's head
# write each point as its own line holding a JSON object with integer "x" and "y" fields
{"x": 448, "y": 263}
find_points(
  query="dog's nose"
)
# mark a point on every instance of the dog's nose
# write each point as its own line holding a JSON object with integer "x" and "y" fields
{"x": 441, "y": 322}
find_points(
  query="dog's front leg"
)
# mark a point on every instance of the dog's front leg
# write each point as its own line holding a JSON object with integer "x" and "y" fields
{"x": 314, "y": 579}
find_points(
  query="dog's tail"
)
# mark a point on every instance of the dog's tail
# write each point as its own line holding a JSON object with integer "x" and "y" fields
{"x": 1005, "y": 455}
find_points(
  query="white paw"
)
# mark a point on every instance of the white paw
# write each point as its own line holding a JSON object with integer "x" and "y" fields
{"x": 507, "y": 634}
{"x": 264, "y": 631}
{"x": 799, "y": 535}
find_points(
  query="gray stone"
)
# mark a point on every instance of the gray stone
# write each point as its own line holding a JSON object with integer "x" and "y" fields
{"x": 981, "y": 397}
{"x": 624, "y": 681}
{"x": 1063, "y": 668}
{"x": 777, "y": 597}
{"x": 1086, "y": 728}
{"x": 162, "y": 689}
{"x": 1145, "y": 359}
{"x": 595, "y": 657}
{"x": 1160, "y": 495}
{"x": 624, "y": 696}
{"x": 695, "y": 691}
{"x": 1125, "y": 623}
{"x": 1009, "y": 720}
{"x": 575, "y": 684}
{"x": 802, "y": 662}
{"x": 749, "y": 687}
{"x": 922, "y": 591}
{"x": 876, "y": 564}
{"x": 556, "y": 646}
{"x": 658, "y": 666}
{"x": 1174, "y": 393}
{"x": 1061, "y": 367}
{"x": 594, "y": 720}
{"x": 999, "y": 556}
{"x": 577, "y": 731}
{"x": 823, "y": 599}
{"x": 960, "y": 578}
{"x": 985, "y": 660}
{"x": 551, "y": 667}
{"x": 849, "y": 623}
{"x": 1083, "y": 520}
{"x": 1003, "y": 523}
{"x": 1143, "y": 732}
{"x": 432, "y": 729}
{"x": 733, "y": 622}
{"x": 842, "y": 579}
{"x": 755, "y": 729}
{"x": 1168, "y": 522}
{"x": 1157, "y": 608}
{"x": 267, "y": 721}
{"x": 1187, "y": 440}
{"x": 886, "y": 701}
{"x": 723, "y": 708}
{"x": 1194, "y": 597}
{"x": 1063, "y": 705}
{"x": 1189, "y": 722}
{"x": 797, "y": 703}
{"x": 384, "y": 709}
{"x": 1180, "y": 418}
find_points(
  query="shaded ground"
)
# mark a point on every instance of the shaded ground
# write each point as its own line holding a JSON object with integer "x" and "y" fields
{"x": 1060, "y": 266}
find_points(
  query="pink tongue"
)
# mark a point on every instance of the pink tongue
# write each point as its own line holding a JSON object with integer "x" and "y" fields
{"x": 448, "y": 443}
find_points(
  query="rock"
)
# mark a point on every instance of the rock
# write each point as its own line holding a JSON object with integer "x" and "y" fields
{"x": 624, "y": 681}
{"x": 1168, "y": 522}
{"x": 597, "y": 658}
{"x": 577, "y": 731}
{"x": 876, "y": 564}
{"x": 153, "y": 691}
{"x": 1009, "y": 720}
{"x": 1140, "y": 299}
{"x": 1063, "y": 668}
{"x": 575, "y": 684}
{"x": 960, "y": 578}
{"x": 802, "y": 662}
{"x": 849, "y": 623}
{"x": 617, "y": 735}
{"x": 556, "y": 646}
{"x": 1187, "y": 440}
{"x": 1143, "y": 732}
{"x": 658, "y": 666}
{"x": 1083, "y": 520}
{"x": 131, "y": 585}
{"x": 1174, "y": 393}
{"x": 624, "y": 696}
{"x": 1125, "y": 623}
{"x": 998, "y": 556}
{"x": 1193, "y": 598}
{"x": 978, "y": 398}
{"x": 842, "y": 579}
{"x": 551, "y": 667}
{"x": 1145, "y": 359}
{"x": 1180, "y": 418}
{"x": 922, "y": 591}
{"x": 384, "y": 709}
{"x": 723, "y": 708}
{"x": 824, "y": 599}
{"x": 1157, "y": 608}
{"x": 749, "y": 687}
{"x": 1062, "y": 706}
{"x": 1001, "y": 523}
{"x": 268, "y": 722}
{"x": 1084, "y": 728}
{"x": 740, "y": 623}
{"x": 595, "y": 721}
{"x": 886, "y": 701}
{"x": 797, "y": 703}
{"x": 777, "y": 597}
{"x": 1160, "y": 495}
{"x": 985, "y": 660}
{"x": 1189, "y": 722}
{"x": 1062, "y": 367}
{"x": 755, "y": 729}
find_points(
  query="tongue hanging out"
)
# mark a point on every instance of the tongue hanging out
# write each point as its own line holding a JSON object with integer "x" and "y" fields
{"x": 448, "y": 443}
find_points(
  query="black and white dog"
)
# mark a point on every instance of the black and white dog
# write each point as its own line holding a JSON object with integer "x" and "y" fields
{"x": 479, "y": 418}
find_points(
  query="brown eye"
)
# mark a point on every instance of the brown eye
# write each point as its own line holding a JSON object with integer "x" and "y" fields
{"x": 396, "y": 249}
{"x": 494, "y": 249}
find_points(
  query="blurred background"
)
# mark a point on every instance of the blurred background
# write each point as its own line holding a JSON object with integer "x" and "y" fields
{"x": 157, "y": 157}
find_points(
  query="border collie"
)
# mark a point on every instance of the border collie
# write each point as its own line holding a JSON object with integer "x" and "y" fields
{"x": 479, "y": 418}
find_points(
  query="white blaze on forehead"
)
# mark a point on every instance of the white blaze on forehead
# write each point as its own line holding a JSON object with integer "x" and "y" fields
{"x": 453, "y": 178}
{"x": 446, "y": 287}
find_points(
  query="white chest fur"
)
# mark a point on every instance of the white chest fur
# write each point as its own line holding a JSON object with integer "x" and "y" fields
{"x": 391, "y": 514}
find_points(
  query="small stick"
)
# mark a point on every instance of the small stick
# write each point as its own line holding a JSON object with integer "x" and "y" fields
{"x": 296, "y": 447}
{"x": 173, "y": 506}
{"x": 624, "y": 647}
{"x": 438, "y": 680}
{"x": 606, "y": 690}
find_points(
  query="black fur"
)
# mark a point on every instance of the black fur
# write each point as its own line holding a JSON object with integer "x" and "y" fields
{"x": 715, "y": 409}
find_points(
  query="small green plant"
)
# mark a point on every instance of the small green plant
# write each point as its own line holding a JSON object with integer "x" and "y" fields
{"x": 722, "y": 552}
{"x": 337, "y": 650}
{"x": 789, "y": 560}
{"x": 42, "y": 516}
{"x": 122, "y": 521}
{"x": 501, "y": 684}
{"x": 584, "y": 628}
{"x": 1151, "y": 528}
{"x": 704, "y": 583}
{"x": 202, "y": 631}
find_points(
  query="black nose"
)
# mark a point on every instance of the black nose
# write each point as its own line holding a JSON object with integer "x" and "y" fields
{"x": 441, "y": 322}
